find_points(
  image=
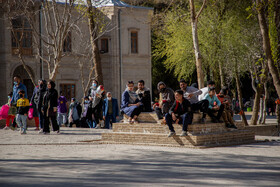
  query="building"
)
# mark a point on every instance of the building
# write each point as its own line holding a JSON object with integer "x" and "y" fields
{"x": 125, "y": 53}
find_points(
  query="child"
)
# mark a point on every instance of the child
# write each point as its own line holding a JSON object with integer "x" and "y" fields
{"x": 11, "y": 113}
{"x": 22, "y": 111}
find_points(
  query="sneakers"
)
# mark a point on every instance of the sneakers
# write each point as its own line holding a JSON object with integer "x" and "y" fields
{"x": 233, "y": 126}
{"x": 171, "y": 134}
{"x": 57, "y": 132}
{"x": 41, "y": 131}
{"x": 23, "y": 132}
{"x": 6, "y": 128}
{"x": 184, "y": 133}
{"x": 228, "y": 125}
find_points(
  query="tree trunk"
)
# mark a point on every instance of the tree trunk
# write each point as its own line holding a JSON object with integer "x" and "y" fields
{"x": 256, "y": 107}
{"x": 266, "y": 46}
{"x": 198, "y": 57}
{"x": 266, "y": 97}
{"x": 221, "y": 74}
{"x": 240, "y": 98}
{"x": 261, "y": 110}
{"x": 93, "y": 38}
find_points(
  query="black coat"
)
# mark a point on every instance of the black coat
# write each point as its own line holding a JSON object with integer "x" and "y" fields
{"x": 180, "y": 109}
{"x": 49, "y": 102}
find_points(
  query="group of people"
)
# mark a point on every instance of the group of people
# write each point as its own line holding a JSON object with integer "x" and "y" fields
{"x": 43, "y": 103}
{"x": 179, "y": 106}
{"x": 49, "y": 108}
{"x": 172, "y": 107}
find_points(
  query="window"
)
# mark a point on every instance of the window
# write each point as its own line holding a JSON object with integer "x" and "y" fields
{"x": 134, "y": 41}
{"x": 21, "y": 36}
{"x": 67, "y": 46}
{"x": 68, "y": 90}
{"x": 104, "y": 45}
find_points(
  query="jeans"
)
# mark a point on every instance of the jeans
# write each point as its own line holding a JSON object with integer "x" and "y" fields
{"x": 21, "y": 121}
{"x": 61, "y": 118}
{"x": 185, "y": 119}
{"x": 107, "y": 120}
{"x": 91, "y": 123}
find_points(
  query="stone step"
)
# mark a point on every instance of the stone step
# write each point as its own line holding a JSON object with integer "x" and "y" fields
{"x": 207, "y": 140}
{"x": 163, "y": 129}
{"x": 151, "y": 117}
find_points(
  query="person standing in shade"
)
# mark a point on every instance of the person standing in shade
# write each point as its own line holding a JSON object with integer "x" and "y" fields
{"x": 75, "y": 111}
{"x": 61, "y": 110}
{"x": 33, "y": 105}
{"x": 180, "y": 113}
{"x": 214, "y": 105}
{"x": 110, "y": 110}
{"x": 38, "y": 101}
{"x": 50, "y": 108}
{"x": 145, "y": 96}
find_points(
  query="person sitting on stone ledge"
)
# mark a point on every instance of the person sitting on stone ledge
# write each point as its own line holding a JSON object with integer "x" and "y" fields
{"x": 214, "y": 105}
{"x": 166, "y": 99}
{"x": 145, "y": 96}
{"x": 205, "y": 90}
{"x": 131, "y": 104}
{"x": 226, "y": 101}
{"x": 180, "y": 113}
{"x": 191, "y": 93}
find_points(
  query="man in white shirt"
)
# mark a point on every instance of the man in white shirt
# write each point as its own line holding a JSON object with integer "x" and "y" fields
{"x": 191, "y": 93}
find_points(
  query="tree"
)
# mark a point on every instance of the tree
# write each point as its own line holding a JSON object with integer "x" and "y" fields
{"x": 198, "y": 56}
{"x": 50, "y": 33}
{"x": 260, "y": 7}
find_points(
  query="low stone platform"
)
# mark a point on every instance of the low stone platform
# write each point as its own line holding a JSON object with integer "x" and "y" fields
{"x": 150, "y": 132}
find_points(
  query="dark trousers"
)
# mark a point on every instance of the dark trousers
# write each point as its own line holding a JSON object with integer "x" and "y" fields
{"x": 202, "y": 106}
{"x": 109, "y": 118}
{"x": 159, "y": 113}
{"x": 47, "y": 124}
{"x": 184, "y": 119}
{"x": 136, "y": 111}
{"x": 211, "y": 112}
{"x": 41, "y": 119}
{"x": 77, "y": 122}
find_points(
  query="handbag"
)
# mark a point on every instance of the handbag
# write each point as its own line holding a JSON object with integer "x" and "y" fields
{"x": 30, "y": 112}
{"x": 4, "y": 112}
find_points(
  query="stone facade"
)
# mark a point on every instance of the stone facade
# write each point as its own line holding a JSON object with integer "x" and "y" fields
{"x": 117, "y": 69}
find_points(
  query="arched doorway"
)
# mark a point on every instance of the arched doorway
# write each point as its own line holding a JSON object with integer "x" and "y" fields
{"x": 25, "y": 79}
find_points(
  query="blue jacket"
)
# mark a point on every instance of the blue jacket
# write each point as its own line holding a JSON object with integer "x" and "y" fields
{"x": 114, "y": 105}
{"x": 16, "y": 89}
{"x": 212, "y": 100}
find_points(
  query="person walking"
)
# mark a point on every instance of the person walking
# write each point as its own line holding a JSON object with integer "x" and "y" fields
{"x": 50, "y": 108}
{"x": 34, "y": 107}
{"x": 110, "y": 110}
{"x": 18, "y": 86}
{"x": 22, "y": 111}
{"x": 11, "y": 113}
{"x": 61, "y": 110}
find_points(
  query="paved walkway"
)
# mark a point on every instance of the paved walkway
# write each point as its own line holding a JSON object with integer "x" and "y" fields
{"x": 73, "y": 159}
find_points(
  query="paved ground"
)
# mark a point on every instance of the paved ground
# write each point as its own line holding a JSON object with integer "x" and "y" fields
{"x": 69, "y": 159}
